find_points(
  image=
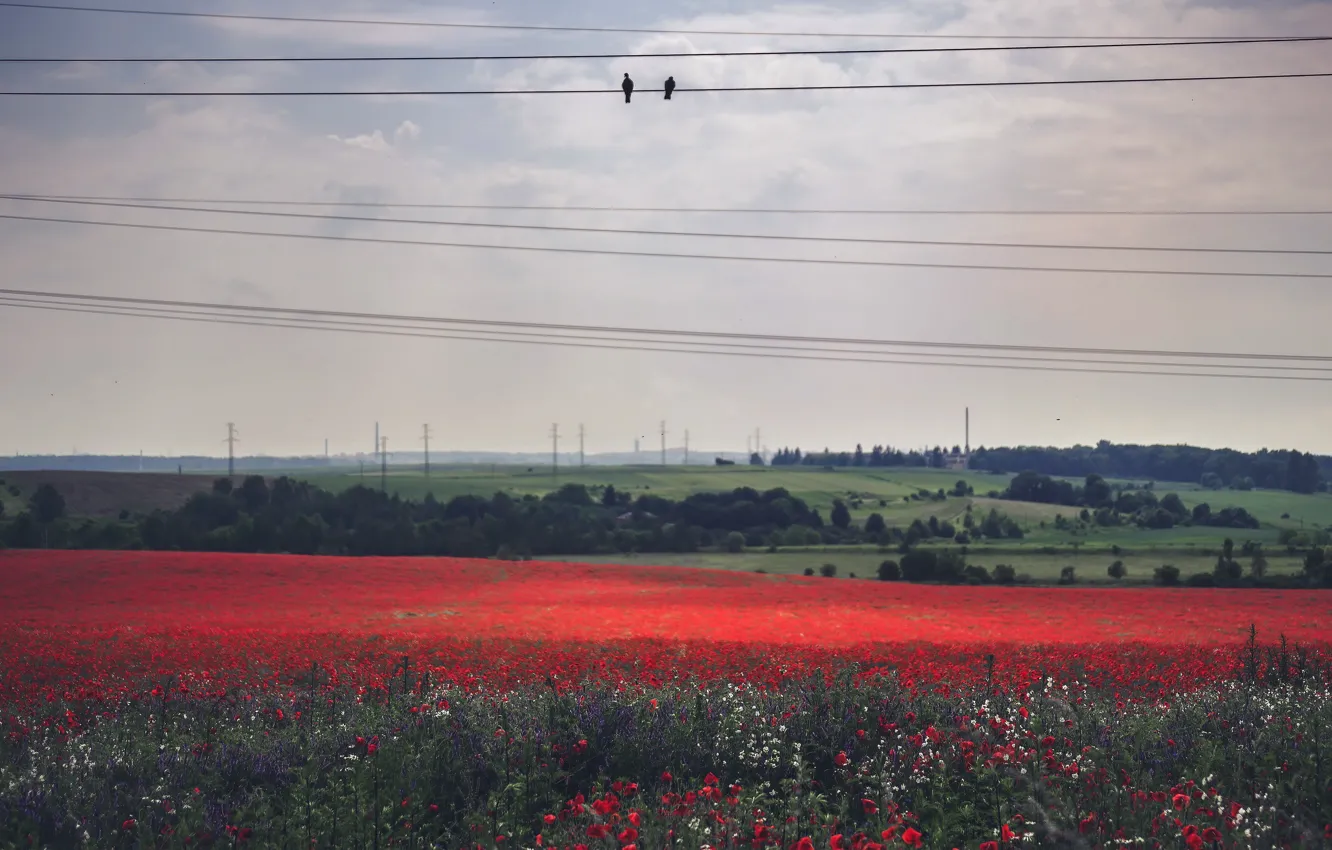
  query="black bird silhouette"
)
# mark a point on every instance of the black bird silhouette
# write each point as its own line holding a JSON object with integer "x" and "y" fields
{"x": 670, "y": 86}
{"x": 628, "y": 86}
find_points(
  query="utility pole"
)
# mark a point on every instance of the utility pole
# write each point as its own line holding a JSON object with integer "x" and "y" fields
{"x": 554, "y": 450}
{"x": 686, "y": 457}
{"x": 581, "y": 461}
{"x": 326, "y": 448}
{"x": 383, "y": 464}
{"x": 663, "y": 442}
{"x": 231, "y": 449}
{"x": 426, "y": 437}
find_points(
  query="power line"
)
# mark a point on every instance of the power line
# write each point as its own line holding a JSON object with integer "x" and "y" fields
{"x": 442, "y": 57}
{"x": 616, "y": 209}
{"x": 175, "y": 228}
{"x": 551, "y": 28}
{"x": 144, "y": 303}
{"x": 684, "y": 233}
{"x": 130, "y": 312}
{"x": 678, "y": 90}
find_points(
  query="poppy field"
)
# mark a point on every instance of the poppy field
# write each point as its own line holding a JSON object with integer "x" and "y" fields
{"x": 167, "y": 699}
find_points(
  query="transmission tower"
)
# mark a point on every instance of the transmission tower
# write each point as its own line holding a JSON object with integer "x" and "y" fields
{"x": 231, "y": 441}
{"x": 555, "y": 450}
{"x": 425, "y": 436}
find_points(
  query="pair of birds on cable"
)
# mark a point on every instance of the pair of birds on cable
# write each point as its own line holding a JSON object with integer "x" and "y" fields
{"x": 628, "y": 87}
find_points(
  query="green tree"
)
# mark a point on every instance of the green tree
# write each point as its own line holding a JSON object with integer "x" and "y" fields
{"x": 1004, "y": 574}
{"x": 222, "y": 486}
{"x": 1116, "y": 570}
{"x": 809, "y": 571}
{"x": 1166, "y": 575}
{"x": 875, "y": 525}
{"x": 735, "y": 542}
{"x": 1173, "y": 503}
{"x": 840, "y": 516}
{"x": 1068, "y": 575}
{"x": 253, "y": 493}
{"x": 828, "y": 570}
{"x": 889, "y": 571}
{"x": 46, "y": 504}
{"x": 1258, "y": 563}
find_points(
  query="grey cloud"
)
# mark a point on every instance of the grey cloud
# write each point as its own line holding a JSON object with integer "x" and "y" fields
{"x": 1196, "y": 145}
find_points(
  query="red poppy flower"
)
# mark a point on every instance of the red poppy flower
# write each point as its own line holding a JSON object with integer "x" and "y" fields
{"x": 911, "y": 837}
{"x": 869, "y": 806}
{"x": 840, "y": 760}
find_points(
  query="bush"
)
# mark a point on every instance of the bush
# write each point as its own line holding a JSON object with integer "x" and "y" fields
{"x": 1166, "y": 575}
{"x": 918, "y": 565}
{"x": 735, "y": 542}
{"x": 976, "y": 574}
{"x": 828, "y": 570}
{"x": 507, "y": 553}
{"x": 1201, "y": 580}
{"x": 1004, "y": 574}
{"x": 1116, "y": 570}
{"x": 889, "y": 571}
{"x": 1068, "y": 576}
{"x": 809, "y": 571}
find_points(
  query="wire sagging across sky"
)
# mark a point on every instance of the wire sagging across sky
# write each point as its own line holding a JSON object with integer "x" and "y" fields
{"x": 657, "y": 346}
{"x": 233, "y": 16}
{"x": 378, "y": 240}
{"x": 261, "y": 202}
{"x": 678, "y": 90}
{"x": 700, "y": 54}
{"x": 694, "y": 234}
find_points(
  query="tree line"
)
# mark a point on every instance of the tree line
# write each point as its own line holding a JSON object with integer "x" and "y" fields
{"x": 1213, "y": 468}
{"x": 288, "y": 515}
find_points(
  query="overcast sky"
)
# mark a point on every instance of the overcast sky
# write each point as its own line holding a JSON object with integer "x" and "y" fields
{"x": 114, "y": 384}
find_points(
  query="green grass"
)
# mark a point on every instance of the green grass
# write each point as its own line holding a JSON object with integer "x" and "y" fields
{"x": 864, "y": 562}
{"x": 1192, "y": 549}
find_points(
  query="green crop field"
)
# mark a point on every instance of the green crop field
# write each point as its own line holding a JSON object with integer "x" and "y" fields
{"x": 1041, "y": 554}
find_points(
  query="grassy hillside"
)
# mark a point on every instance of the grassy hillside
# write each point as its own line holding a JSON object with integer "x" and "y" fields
{"x": 1042, "y": 553}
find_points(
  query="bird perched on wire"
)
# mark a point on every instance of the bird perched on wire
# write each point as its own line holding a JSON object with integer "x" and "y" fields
{"x": 670, "y": 86}
{"x": 628, "y": 86}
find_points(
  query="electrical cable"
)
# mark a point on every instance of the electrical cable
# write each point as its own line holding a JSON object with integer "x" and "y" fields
{"x": 678, "y": 90}
{"x": 175, "y": 228}
{"x": 153, "y": 303}
{"x": 866, "y": 51}
{"x": 128, "y": 312}
{"x": 687, "y": 233}
{"x": 550, "y": 28}
{"x": 618, "y": 209}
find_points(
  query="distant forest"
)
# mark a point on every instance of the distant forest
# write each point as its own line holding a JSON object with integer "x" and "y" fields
{"x": 1214, "y": 468}
{"x": 287, "y": 515}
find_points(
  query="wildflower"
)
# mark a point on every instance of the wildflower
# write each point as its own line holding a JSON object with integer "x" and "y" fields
{"x": 840, "y": 760}
{"x": 1180, "y": 801}
{"x": 911, "y": 837}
